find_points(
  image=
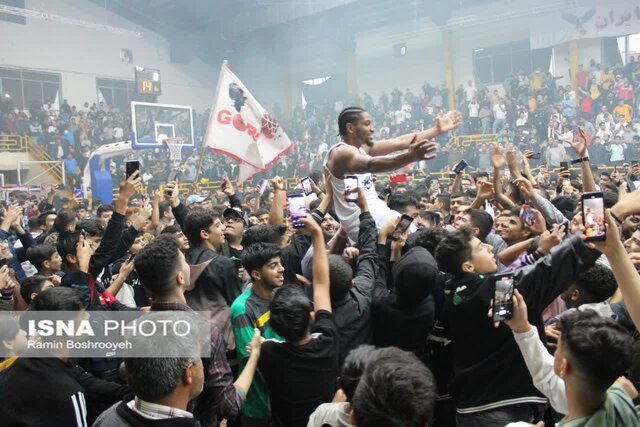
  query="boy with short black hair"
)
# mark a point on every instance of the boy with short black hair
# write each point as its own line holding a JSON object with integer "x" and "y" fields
{"x": 300, "y": 373}
{"x": 45, "y": 259}
{"x": 32, "y": 286}
{"x": 395, "y": 389}
{"x": 216, "y": 286}
{"x": 261, "y": 261}
{"x": 162, "y": 269}
{"x": 492, "y": 385}
{"x": 583, "y": 378}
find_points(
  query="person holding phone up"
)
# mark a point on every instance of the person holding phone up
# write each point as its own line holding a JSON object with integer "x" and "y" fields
{"x": 492, "y": 385}
{"x": 358, "y": 155}
{"x": 583, "y": 379}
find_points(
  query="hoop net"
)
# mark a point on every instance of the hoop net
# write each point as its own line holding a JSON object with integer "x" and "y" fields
{"x": 175, "y": 148}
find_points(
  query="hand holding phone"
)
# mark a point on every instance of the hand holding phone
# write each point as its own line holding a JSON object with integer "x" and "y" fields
{"x": 403, "y": 225}
{"x": 503, "y": 297}
{"x": 350, "y": 183}
{"x": 533, "y": 155}
{"x": 593, "y": 216}
{"x": 462, "y": 164}
{"x": 131, "y": 167}
{"x": 306, "y": 185}
{"x": 297, "y": 209}
{"x": 263, "y": 185}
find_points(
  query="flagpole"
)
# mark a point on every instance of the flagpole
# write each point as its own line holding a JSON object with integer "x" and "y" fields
{"x": 204, "y": 145}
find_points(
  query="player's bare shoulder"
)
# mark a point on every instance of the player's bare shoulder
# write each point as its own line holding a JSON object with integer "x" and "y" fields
{"x": 339, "y": 157}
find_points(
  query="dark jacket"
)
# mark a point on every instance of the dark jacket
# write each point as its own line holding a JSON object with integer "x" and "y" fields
{"x": 215, "y": 289}
{"x": 404, "y": 320}
{"x": 353, "y": 313}
{"x": 48, "y": 391}
{"x": 489, "y": 371}
{"x": 292, "y": 256}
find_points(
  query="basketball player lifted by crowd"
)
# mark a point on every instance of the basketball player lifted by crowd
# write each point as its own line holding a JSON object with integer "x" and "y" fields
{"x": 357, "y": 154}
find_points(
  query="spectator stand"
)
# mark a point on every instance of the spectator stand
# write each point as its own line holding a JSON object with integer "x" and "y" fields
{"x": 54, "y": 169}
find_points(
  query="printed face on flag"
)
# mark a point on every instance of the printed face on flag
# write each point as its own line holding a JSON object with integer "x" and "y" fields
{"x": 241, "y": 128}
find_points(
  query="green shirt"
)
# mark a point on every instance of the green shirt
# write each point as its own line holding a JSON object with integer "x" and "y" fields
{"x": 249, "y": 311}
{"x": 617, "y": 411}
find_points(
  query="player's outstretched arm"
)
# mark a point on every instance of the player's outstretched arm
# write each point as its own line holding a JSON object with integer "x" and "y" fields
{"x": 358, "y": 162}
{"x": 444, "y": 123}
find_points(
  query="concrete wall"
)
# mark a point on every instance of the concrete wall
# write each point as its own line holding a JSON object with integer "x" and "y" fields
{"x": 81, "y": 54}
{"x": 378, "y": 70}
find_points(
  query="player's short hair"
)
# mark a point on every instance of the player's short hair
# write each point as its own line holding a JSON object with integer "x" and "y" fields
{"x": 348, "y": 115}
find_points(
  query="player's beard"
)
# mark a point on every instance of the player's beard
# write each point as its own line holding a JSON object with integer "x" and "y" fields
{"x": 369, "y": 142}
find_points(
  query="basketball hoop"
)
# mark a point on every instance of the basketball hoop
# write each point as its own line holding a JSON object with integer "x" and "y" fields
{"x": 175, "y": 148}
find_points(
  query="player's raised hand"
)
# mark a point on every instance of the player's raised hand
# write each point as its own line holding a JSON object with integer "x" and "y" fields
{"x": 421, "y": 150}
{"x": 449, "y": 121}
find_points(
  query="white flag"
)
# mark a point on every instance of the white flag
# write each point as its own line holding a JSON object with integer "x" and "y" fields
{"x": 241, "y": 128}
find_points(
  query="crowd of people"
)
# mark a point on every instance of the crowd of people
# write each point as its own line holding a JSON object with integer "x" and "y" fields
{"x": 399, "y": 314}
{"x": 532, "y": 112}
{"x": 373, "y": 306}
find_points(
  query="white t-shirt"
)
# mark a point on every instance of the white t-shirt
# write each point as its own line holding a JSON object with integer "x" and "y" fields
{"x": 470, "y": 92}
{"x": 617, "y": 152}
{"x": 474, "y": 109}
{"x": 349, "y": 212}
{"x": 499, "y": 112}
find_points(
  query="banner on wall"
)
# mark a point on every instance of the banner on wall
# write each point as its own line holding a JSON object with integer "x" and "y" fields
{"x": 241, "y": 128}
{"x": 607, "y": 20}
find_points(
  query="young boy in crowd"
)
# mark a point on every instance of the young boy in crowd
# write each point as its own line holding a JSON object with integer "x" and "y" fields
{"x": 84, "y": 259}
{"x": 582, "y": 379}
{"x": 491, "y": 385}
{"x": 300, "y": 373}
{"x": 250, "y": 310}
{"x": 395, "y": 389}
{"x": 46, "y": 260}
{"x": 32, "y": 286}
{"x": 337, "y": 412}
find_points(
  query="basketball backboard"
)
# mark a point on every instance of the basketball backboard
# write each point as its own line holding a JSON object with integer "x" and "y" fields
{"x": 152, "y": 123}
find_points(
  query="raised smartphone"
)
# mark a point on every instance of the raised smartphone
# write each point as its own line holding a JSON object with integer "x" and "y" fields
{"x": 350, "y": 182}
{"x": 405, "y": 222}
{"x": 503, "y": 297}
{"x": 297, "y": 209}
{"x": 593, "y": 216}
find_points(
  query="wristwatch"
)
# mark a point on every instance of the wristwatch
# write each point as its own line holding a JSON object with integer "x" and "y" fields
{"x": 580, "y": 160}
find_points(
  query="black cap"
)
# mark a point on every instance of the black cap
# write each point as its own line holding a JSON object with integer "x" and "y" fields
{"x": 237, "y": 212}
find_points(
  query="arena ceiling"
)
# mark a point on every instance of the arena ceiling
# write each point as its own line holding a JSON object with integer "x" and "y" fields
{"x": 217, "y": 29}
